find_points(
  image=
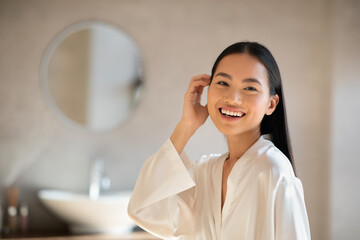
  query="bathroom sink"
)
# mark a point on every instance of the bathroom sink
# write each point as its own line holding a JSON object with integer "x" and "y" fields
{"x": 106, "y": 214}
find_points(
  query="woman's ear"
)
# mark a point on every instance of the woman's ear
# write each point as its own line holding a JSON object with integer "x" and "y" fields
{"x": 274, "y": 100}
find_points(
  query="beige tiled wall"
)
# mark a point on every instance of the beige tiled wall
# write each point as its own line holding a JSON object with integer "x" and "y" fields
{"x": 178, "y": 39}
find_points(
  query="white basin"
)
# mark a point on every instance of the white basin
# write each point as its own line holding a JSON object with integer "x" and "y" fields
{"x": 107, "y": 214}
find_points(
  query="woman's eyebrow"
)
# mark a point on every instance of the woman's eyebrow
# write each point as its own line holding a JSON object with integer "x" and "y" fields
{"x": 225, "y": 75}
{"x": 252, "y": 80}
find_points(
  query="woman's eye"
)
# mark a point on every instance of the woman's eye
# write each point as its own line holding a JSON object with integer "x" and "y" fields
{"x": 223, "y": 83}
{"x": 251, "y": 89}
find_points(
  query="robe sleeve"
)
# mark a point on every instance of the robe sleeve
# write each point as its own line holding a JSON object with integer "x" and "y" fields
{"x": 291, "y": 220}
{"x": 164, "y": 195}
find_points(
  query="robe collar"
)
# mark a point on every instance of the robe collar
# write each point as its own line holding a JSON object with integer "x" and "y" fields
{"x": 218, "y": 212}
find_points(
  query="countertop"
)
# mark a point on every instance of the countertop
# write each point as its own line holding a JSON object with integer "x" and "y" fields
{"x": 130, "y": 236}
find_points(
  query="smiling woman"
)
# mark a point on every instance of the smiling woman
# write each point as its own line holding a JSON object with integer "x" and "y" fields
{"x": 250, "y": 192}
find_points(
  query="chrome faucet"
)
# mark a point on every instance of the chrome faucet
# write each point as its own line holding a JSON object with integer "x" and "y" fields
{"x": 97, "y": 180}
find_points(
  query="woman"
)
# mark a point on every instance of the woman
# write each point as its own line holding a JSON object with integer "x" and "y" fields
{"x": 251, "y": 192}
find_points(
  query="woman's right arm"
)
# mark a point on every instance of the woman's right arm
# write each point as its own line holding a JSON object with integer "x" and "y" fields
{"x": 164, "y": 195}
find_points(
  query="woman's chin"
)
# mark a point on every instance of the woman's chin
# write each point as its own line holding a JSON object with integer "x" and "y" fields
{"x": 228, "y": 130}
{"x": 231, "y": 131}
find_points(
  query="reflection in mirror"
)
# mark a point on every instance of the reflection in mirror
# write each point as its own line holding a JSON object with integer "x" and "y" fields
{"x": 92, "y": 76}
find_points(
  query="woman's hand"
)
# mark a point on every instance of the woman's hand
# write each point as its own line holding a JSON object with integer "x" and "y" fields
{"x": 194, "y": 114}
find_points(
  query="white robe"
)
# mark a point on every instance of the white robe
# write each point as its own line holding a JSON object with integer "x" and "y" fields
{"x": 178, "y": 199}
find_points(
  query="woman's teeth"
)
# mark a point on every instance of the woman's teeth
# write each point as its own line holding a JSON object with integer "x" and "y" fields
{"x": 231, "y": 113}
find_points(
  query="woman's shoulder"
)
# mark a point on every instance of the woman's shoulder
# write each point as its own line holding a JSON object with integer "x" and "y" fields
{"x": 272, "y": 164}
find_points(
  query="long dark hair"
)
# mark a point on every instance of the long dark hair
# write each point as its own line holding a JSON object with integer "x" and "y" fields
{"x": 276, "y": 123}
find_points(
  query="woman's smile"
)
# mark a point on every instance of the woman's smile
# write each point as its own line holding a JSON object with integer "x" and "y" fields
{"x": 230, "y": 114}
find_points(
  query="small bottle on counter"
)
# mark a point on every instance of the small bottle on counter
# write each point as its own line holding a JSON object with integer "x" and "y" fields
{"x": 24, "y": 218}
{"x": 12, "y": 217}
{"x": 12, "y": 194}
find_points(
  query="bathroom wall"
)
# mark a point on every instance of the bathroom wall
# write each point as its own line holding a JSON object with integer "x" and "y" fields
{"x": 345, "y": 119}
{"x": 178, "y": 39}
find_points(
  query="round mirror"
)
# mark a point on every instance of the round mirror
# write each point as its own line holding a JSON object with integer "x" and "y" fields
{"x": 91, "y": 76}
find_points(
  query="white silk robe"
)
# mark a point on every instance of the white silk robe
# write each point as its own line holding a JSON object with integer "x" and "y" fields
{"x": 178, "y": 199}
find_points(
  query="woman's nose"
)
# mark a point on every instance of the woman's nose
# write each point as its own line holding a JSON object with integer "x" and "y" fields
{"x": 233, "y": 97}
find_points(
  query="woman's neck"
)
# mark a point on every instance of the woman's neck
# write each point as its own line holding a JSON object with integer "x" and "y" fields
{"x": 239, "y": 144}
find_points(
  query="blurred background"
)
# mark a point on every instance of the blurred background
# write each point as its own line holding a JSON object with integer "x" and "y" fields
{"x": 315, "y": 42}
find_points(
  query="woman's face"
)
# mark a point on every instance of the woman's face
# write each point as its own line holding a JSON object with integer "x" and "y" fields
{"x": 239, "y": 95}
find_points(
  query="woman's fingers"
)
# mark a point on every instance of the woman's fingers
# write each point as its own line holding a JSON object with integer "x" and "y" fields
{"x": 193, "y": 87}
{"x": 196, "y": 86}
{"x": 203, "y": 79}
